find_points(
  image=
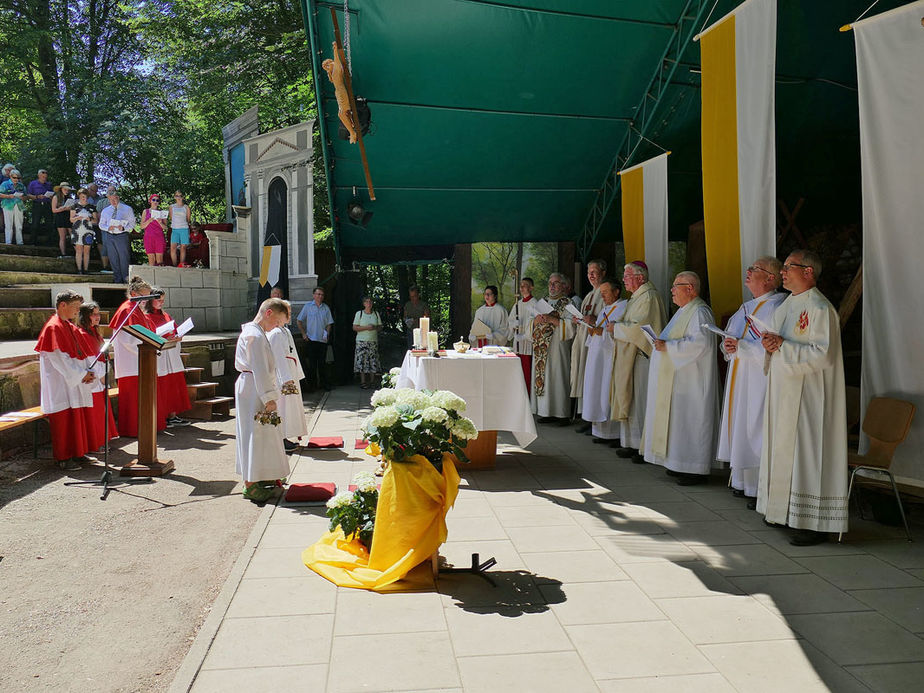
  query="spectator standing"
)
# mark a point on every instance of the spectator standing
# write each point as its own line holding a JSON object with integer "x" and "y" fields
{"x": 4, "y": 177}
{"x": 117, "y": 220}
{"x": 62, "y": 214}
{"x": 83, "y": 221}
{"x": 414, "y": 310}
{"x": 154, "y": 229}
{"x": 314, "y": 322}
{"x": 102, "y": 202}
{"x": 180, "y": 220}
{"x": 197, "y": 255}
{"x": 40, "y": 192}
{"x": 367, "y": 324}
{"x": 12, "y": 194}
{"x": 91, "y": 341}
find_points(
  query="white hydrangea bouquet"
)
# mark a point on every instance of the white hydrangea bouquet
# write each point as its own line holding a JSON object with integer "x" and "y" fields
{"x": 407, "y": 422}
{"x": 390, "y": 379}
{"x": 354, "y": 511}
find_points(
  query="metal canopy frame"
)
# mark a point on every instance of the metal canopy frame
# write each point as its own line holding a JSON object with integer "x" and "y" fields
{"x": 684, "y": 31}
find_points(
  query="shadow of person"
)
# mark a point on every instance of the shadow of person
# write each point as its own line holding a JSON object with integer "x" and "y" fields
{"x": 515, "y": 592}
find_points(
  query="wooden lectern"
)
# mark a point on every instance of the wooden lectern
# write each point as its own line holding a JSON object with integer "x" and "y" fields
{"x": 147, "y": 463}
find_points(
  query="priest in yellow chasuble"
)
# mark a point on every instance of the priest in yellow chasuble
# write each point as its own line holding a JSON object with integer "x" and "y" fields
{"x": 552, "y": 333}
{"x": 629, "y": 384}
{"x": 741, "y": 431}
{"x": 681, "y": 412}
{"x": 803, "y": 461}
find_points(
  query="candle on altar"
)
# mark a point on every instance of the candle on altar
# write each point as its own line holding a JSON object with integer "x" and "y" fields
{"x": 416, "y": 337}
{"x": 424, "y": 329}
{"x": 433, "y": 343}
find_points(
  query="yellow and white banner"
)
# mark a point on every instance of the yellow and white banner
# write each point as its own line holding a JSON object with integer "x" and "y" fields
{"x": 890, "y": 81}
{"x": 644, "y": 218}
{"x": 738, "y": 138}
{"x": 269, "y": 266}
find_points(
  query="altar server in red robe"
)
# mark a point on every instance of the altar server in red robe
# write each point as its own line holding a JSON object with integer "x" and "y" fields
{"x": 125, "y": 351}
{"x": 66, "y": 384}
{"x": 172, "y": 396}
{"x": 91, "y": 341}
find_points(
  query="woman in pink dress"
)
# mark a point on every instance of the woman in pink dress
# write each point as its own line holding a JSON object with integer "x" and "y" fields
{"x": 155, "y": 243}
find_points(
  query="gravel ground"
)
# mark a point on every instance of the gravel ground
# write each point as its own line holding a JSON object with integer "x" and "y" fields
{"x": 108, "y": 596}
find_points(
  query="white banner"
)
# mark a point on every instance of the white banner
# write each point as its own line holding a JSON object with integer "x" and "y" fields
{"x": 890, "y": 77}
{"x": 644, "y": 219}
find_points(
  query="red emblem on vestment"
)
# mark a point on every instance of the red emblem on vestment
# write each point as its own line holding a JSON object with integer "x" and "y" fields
{"x": 803, "y": 321}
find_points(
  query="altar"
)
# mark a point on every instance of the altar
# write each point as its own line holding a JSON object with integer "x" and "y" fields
{"x": 493, "y": 390}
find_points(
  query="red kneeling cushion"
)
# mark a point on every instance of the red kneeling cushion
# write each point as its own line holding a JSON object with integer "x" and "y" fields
{"x": 310, "y": 493}
{"x": 328, "y": 442}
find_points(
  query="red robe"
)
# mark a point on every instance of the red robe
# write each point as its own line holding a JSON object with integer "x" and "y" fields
{"x": 96, "y": 415}
{"x": 128, "y": 385}
{"x": 172, "y": 396}
{"x": 63, "y": 402}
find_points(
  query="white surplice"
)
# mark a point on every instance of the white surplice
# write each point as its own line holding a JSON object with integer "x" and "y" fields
{"x": 260, "y": 453}
{"x": 494, "y": 317}
{"x": 288, "y": 368}
{"x": 688, "y": 404}
{"x": 803, "y": 462}
{"x": 741, "y": 431}
{"x": 591, "y": 305}
{"x": 598, "y": 371}
{"x": 518, "y": 322}
{"x": 556, "y": 400}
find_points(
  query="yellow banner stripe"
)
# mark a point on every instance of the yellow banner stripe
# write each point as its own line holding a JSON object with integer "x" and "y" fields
{"x": 633, "y": 213}
{"x": 265, "y": 264}
{"x": 720, "y": 169}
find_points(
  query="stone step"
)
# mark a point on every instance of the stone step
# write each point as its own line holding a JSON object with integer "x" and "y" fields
{"x": 25, "y": 297}
{"x": 26, "y": 323}
{"x": 33, "y": 250}
{"x": 47, "y": 265}
{"x": 197, "y": 391}
{"x": 193, "y": 375}
{"x": 206, "y": 408}
{"x": 26, "y": 278}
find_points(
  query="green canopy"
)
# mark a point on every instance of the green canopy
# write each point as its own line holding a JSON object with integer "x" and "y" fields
{"x": 501, "y": 120}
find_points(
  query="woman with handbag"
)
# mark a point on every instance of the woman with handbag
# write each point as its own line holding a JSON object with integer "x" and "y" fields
{"x": 83, "y": 220}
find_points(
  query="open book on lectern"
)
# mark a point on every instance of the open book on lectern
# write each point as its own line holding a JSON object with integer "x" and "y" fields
{"x": 145, "y": 335}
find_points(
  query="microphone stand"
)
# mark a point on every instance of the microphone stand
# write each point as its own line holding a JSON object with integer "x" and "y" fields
{"x": 103, "y": 355}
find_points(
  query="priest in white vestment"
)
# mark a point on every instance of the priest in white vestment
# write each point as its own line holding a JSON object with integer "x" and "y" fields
{"x": 590, "y": 309}
{"x": 494, "y": 316}
{"x": 552, "y": 333}
{"x": 261, "y": 458}
{"x": 629, "y": 384}
{"x": 741, "y": 431}
{"x": 519, "y": 321}
{"x": 599, "y": 368}
{"x": 803, "y": 462}
{"x": 289, "y": 372}
{"x": 681, "y": 411}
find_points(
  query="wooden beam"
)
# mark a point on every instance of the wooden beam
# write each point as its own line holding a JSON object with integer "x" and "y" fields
{"x": 851, "y": 297}
{"x": 353, "y": 114}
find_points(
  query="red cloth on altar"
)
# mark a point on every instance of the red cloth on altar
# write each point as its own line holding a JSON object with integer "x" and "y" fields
{"x": 526, "y": 361}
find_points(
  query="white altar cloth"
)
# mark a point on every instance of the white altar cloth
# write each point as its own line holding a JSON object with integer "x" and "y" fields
{"x": 492, "y": 387}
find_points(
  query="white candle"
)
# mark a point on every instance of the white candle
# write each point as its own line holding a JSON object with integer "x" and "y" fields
{"x": 424, "y": 328}
{"x": 416, "y": 337}
{"x": 433, "y": 343}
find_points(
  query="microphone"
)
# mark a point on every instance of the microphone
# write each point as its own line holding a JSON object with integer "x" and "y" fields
{"x": 135, "y": 299}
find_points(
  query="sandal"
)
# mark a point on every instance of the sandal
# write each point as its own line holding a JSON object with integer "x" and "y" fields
{"x": 257, "y": 493}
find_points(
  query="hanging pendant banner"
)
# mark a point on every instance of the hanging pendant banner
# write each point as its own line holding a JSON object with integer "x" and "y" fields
{"x": 890, "y": 81}
{"x": 269, "y": 266}
{"x": 738, "y": 142}
{"x": 644, "y": 218}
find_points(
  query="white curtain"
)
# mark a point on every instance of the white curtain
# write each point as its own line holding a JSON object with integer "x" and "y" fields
{"x": 890, "y": 76}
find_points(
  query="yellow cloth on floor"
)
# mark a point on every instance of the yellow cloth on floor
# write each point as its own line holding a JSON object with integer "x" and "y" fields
{"x": 410, "y": 525}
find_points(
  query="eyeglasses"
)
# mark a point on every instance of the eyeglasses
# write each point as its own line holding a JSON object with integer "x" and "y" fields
{"x": 155, "y": 199}
{"x": 755, "y": 268}
{"x": 177, "y": 197}
{"x": 15, "y": 178}
{"x": 790, "y": 265}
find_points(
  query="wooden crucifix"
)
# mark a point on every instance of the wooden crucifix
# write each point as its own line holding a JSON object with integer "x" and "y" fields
{"x": 351, "y": 114}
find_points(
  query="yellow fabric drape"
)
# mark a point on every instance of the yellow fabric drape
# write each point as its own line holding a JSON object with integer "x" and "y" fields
{"x": 410, "y": 525}
{"x": 633, "y": 213}
{"x": 720, "y": 168}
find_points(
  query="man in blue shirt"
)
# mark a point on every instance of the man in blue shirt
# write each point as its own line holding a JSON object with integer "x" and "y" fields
{"x": 314, "y": 322}
{"x": 118, "y": 221}
{"x": 12, "y": 194}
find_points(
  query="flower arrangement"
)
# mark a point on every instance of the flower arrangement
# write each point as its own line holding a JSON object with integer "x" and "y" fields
{"x": 354, "y": 512}
{"x": 390, "y": 379}
{"x": 289, "y": 388}
{"x": 406, "y": 422}
{"x": 267, "y": 418}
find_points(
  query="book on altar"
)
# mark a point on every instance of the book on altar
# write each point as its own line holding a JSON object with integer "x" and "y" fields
{"x": 185, "y": 327}
{"x": 168, "y": 326}
{"x": 543, "y": 307}
{"x": 649, "y": 334}
{"x": 479, "y": 329}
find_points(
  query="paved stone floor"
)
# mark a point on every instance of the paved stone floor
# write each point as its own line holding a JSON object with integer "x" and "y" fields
{"x": 610, "y": 578}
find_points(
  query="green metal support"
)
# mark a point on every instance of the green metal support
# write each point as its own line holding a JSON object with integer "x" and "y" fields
{"x": 310, "y": 21}
{"x": 685, "y": 29}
